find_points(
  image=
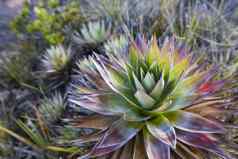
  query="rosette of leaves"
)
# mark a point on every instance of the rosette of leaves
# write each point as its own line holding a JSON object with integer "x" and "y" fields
{"x": 150, "y": 103}
{"x": 52, "y": 108}
{"x": 92, "y": 36}
{"x": 55, "y": 65}
{"x": 115, "y": 45}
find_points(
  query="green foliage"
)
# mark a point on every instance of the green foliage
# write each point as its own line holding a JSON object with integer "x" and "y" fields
{"x": 48, "y": 19}
{"x": 53, "y": 108}
{"x": 17, "y": 69}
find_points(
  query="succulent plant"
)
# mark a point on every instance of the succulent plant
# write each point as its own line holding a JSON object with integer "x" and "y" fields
{"x": 55, "y": 66}
{"x": 92, "y": 33}
{"x": 115, "y": 45}
{"x": 52, "y": 108}
{"x": 56, "y": 59}
{"x": 149, "y": 103}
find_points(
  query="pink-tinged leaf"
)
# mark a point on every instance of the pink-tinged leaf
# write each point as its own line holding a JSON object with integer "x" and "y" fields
{"x": 92, "y": 105}
{"x": 140, "y": 43}
{"x": 193, "y": 123}
{"x": 155, "y": 148}
{"x": 210, "y": 87}
{"x": 202, "y": 141}
{"x": 104, "y": 103}
{"x": 93, "y": 121}
{"x": 185, "y": 152}
{"x": 116, "y": 136}
{"x": 139, "y": 149}
{"x": 103, "y": 72}
{"x": 161, "y": 128}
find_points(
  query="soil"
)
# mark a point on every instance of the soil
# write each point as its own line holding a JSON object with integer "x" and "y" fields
{"x": 8, "y": 10}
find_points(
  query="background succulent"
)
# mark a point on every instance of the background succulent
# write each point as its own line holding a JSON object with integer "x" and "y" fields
{"x": 92, "y": 33}
{"x": 56, "y": 59}
{"x": 150, "y": 103}
{"x": 55, "y": 65}
{"x": 53, "y": 108}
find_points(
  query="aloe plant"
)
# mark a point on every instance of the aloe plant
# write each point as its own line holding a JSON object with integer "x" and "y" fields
{"x": 150, "y": 103}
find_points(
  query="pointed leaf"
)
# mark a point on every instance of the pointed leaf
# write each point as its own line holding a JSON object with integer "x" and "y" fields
{"x": 118, "y": 79}
{"x": 138, "y": 84}
{"x": 36, "y": 137}
{"x": 155, "y": 148}
{"x": 117, "y": 136}
{"x": 161, "y": 128}
{"x": 144, "y": 99}
{"x": 153, "y": 52}
{"x": 120, "y": 133}
{"x": 158, "y": 89}
{"x": 102, "y": 151}
{"x": 149, "y": 81}
{"x": 139, "y": 149}
{"x": 193, "y": 123}
{"x": 105, "y": 103}
{"x": 93, "y": 121}
{"x": 202, "y": 141}
{"x": 209, "y": 87}
{"x": 187, "y": 153}
{"x": 127, "y": 151}
{"x": 93, "y": 137}
{"x": 134, "y": 56}
{"x": 178, "y": 69}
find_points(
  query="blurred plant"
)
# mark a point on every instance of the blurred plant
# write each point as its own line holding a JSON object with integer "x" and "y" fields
{"x": 137, "y": 15}
{"x": 37, "y": 137}
{"x": 93, "y": 33}
{"x": 52, "y": 108}
{"x": 16, "y": 69}
{"x": 55, "y": 66}
{"x": 56, "y": 59}
{"x": 149, "y": 102}
{"x": 117, "y": 45}
{"x": 205, "y": 26}
{"x": 47, "y": 20}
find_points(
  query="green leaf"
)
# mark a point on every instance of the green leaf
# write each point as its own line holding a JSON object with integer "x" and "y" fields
{"x": 134, "y": 57}
{"x": 137, "y": 83}
{"x": 36, "y": 137}
{"x": 158, "y": 89}
{"x": 18, "y": 137}
{"x": 178, "y": 69}
{"x": 144, "y": 99}
{"x": 149, "y": 81}
{"x": 118, "y": 79}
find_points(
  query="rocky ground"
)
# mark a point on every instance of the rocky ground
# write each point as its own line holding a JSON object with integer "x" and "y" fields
{"x": 8, "y": 9}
